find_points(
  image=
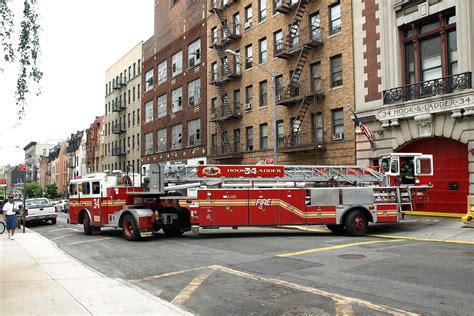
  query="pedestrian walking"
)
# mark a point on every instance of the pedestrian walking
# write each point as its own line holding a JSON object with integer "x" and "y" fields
{"x": 10, "y": 217}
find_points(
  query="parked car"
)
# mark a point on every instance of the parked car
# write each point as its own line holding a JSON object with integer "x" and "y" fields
{"x": 62, "y": 206}
{"x": 40, "y": 209}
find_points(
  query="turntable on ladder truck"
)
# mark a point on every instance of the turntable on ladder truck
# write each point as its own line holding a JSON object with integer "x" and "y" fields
{"x": 344, "y": 198}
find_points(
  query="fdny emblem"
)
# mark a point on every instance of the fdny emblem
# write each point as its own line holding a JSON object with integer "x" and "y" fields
{"x": 211, "y": 171}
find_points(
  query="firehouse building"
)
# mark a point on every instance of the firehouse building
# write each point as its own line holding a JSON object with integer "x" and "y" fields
{"x": 415, "y": 61}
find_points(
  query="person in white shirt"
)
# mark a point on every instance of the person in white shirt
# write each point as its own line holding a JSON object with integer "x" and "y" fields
{"x": 10, "y": 216}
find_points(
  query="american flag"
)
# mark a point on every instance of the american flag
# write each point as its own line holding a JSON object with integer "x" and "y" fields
{"x": 370, "y": 135}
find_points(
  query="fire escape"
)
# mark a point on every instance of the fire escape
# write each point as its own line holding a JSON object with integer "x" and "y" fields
{"x": 221, "y": 73}
{"x": 302, "y": 92}
{"x": 118, "y": 106}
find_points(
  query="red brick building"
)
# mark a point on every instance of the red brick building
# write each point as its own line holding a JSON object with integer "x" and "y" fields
{"x": 93, "y": 143}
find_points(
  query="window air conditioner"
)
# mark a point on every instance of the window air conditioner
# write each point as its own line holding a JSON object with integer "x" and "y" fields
{"x": 248, "y": 24}
{"x": 248, "y": 106}
{"x": 338, "y": 136}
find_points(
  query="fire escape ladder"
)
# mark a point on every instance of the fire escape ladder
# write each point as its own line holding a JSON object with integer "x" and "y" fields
{"x": 225, "y": 27}
{"x": 224, "y": 62}
{"x": 295, "y": 24}
{"x": 304, "y": 106}
{"x": 221, "y": 129}
{"x": 295, "y": 76}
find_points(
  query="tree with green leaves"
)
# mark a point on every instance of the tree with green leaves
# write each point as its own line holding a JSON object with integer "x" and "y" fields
{"x": 27, "y": 50}
{"x": 52, "y": 191}
{"x": 33, "y": 190}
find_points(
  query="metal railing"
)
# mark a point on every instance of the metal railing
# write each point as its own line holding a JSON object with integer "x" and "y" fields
{"x": 225, "y": 112}
{"x": 220, "y": 4}
{"x": 118, "y": 128}
{"x": 306, "y": 87}
{"x": 231, "y": 150}
{"x": 310, "y": 36}
{"x": 425, "y": 89}
{"x": 226, "y": 35}
{"x": 118, "y": 151}
{"x": 118, "y": 106}
{"x": 225, "y": 73}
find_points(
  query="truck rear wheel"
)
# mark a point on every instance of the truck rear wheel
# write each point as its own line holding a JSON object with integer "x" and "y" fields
{"x": 130, "y": 228}
{"x": 335, "y": 228}
{"x": 356, "y": 223}
{"x": 86, "y": 224}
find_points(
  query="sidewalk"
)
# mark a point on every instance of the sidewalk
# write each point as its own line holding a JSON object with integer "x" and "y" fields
{"x": 38, "y": 278}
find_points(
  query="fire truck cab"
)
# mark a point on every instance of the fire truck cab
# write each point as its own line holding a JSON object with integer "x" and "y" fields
{"x": 407, "y": 169}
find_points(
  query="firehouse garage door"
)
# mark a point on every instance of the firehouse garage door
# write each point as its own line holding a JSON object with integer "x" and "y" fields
{"x": 451, "y": 174}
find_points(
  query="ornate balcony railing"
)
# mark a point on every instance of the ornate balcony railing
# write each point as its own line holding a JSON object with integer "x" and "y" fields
{"x": 425, "y": 89}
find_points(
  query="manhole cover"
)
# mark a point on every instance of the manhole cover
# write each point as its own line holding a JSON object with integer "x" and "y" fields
{"x": 468, "y": 253}
{"x": 351, "y": 256}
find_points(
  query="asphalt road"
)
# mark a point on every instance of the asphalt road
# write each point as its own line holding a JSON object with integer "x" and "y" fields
{"x": 258, "y": 271}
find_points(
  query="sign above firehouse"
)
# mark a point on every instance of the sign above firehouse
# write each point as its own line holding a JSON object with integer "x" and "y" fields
{"x": 242, "y": 171}
{"x": 442, "y": 104}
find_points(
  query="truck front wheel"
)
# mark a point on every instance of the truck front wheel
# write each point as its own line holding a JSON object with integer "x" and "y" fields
{"x": 86, "y": 224}
{"x": 356, "y": 223}
{"x": 130, "y": 228}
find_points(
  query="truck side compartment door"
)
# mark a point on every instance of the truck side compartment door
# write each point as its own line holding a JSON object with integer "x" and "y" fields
{"x": 263, "y": 207}
{"x": 292, "y": 208}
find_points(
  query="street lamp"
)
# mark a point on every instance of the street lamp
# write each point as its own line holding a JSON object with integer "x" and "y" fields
{"x": 273, "y": 75}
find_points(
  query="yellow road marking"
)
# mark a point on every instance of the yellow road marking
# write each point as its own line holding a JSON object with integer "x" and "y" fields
{"x": 186, "y": 293}
{"x": 343, "y": 308}
{"x": 291, "y": 254}
{"x": 451, "y": 241}
{"x": 336, "y": 297}
{"x": 69, "y": 235}
{"x": 89, "y": 240}
{"x": 158, "y": 276}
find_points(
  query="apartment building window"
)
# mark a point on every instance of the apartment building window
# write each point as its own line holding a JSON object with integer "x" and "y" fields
{"x": 236, "y": 101}
{"x": 213, "y": 72}
{"x": 149, "y": 80}
{"x": 317, "y": 120}
{"x": 264, "y": 136}
{"x": 148, "y": 143}
{"x": 177, "y": 64}
{"x": 129, "y": 73}
{"x": 133, "y": 142}
{"x": 194, "y": 53}
{"x": 237, "y": 140}
{"x": 280, "y": 134}
{"x": 336, "y": 71}
{"x": 248, "y": 97}
{"x": 133, "y": 96}
{"x": 335, "y": 18}
{"x": 162, "y": 106}
{"x": 278, "y": 41}
{"x": 214, "y": 144}
{"x": 315, "y": 26}
{"x": 316, "y": 81}
{"x": 176, "y": 99}
{"x": 214, "y": 35}
{"x": 139, "y": 67}
{"x": 194, "y": 132}
{"x": 337, "y": 122}
{"x": 248, "y": 17}
{"x": 139, "y": 91}
{"x": 248, "y": 56}
{"x": 161, "y": 140}
{"x": 263, "y": 96}
{"x": 133, "y": 118}
{"x": 138, "y": 141}
{"x": 279, "y": 87}
{"x": 236, "y": 62}
{"x": 430, "y": 48}
{"x": 128, "y": 143}
{"x": 129, "y": 97}
{"x": 128, "y": 119}
{"x": 176, "y": 137}
{"x": 249, "y": 138}
{"x": 213, "y": 108}
{"x": 262, "y": 10}
{"x": 194, "y": 92}
{"x": 162, "y": 72}
{"x": 148, "y": 111}
{"x": 138, "y": 116}
{"x": 134, "y": 70}
{"x": 236, "y": 20}
{"x": 262, "y": 50}
{"x": 106, "y": 109}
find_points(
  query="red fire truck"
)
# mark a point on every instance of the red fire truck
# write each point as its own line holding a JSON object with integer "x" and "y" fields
{"x": 340, "y": 197}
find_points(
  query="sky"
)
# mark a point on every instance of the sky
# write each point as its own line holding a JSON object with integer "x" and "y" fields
{"x": 80, "y": 40}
